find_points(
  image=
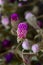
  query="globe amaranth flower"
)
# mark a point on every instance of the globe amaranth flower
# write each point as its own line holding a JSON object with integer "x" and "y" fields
{"x": 1, "y": 2}
{"x": 6, "y": 43}
{"x": 35, "y": 48}
{"x": 19, "y": 4}
{"x": 22, "y": 30}
{"x": 31, "y": 19}
{"x": 4, "y": 21}
{"x": 26, "y": 44}
{"x": 14, "y": 16}
{"x": 8, "y": 57}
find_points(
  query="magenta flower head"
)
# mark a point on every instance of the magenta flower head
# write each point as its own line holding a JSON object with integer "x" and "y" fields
{"x": 14, "y": 16}
{"x": 22, "y": 30}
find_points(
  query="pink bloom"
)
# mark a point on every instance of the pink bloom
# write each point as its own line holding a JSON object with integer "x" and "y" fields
{"x": 22, "y": 30}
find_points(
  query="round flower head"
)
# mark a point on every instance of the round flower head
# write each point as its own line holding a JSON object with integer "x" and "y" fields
{"x": 14, "y": 16}
{"x": 4, "y": 21}
{"x": 40, "y": 24}
{"x": 31, "y": 19}
{"x": 35, "y": 48}
{"x": 19, "y": 4}
{"x": 1, "y": 2}
{"x": 14, "y": 23}
{"x": 26, "y": 44}
{"x": 6, "y": 43}
{"x": 22, "y": 30}
{"x": 8, "y": 57}
{"x": 28, "y": 15}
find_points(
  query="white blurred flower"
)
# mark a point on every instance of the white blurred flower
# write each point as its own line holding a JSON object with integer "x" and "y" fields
{"x": 5, "y": 22}
{"x": 19, "y": 4}
{"x": 35, "y": 48}
{"x": 1, "y": 2}
{"x": 1, "y": 5}
{"x": 26, "y": 44}
{"x": 31, "y": 19}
